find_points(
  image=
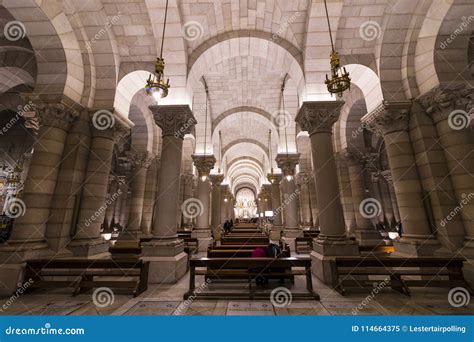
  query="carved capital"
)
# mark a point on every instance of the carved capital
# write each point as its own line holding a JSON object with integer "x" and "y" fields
{"x": 287, "y": 163}
{"x": 188, "y": 179}
{"x": 52, "y": 112}
{"x": 139, "y": 160}
{"x": 216, "y": 179}
{"x": 204, "y": 163}
{"x": 441, "y": 101}
{"x": 174, "y": 120}
{"x": 354, "y": 156}
{"x": 389, "y": 117}
{"x": 319, "y": 116}
{"x": 303, "y": 178}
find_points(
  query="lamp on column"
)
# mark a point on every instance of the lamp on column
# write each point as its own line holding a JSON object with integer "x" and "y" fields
{"x": 155, "y": 84}
{"x": 340, "y": 80}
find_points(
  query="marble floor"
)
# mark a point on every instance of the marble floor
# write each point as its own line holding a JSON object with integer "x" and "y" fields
{"x": 168, "y": 300}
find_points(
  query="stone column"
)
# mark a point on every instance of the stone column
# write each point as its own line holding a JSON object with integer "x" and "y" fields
{"x": 451, "y": 106}
{"x": 118, "y": 202}
{"x": 32, "y": 210}
{"x": 224, "y": 203}
{"x": 87, "y": 240}
{"x": 287, "y": 163}
{"x": 391, "y": 120}
{"x": 216, "y": 181}
{"x": 391, "y": 192}
{"x": 302, "y": 181}
{"x": 168, "y": 261}
{"x": 277, "y": 227}
{"x": 112, "y": 195}
{"x": 365, "y": 208}
{"x": 318, "y": 119}
{"x": 149, "y": 197}
{"x": 139, "y": 166}
{"x": 204, "y": 164}
{"x": 188, "y": 179}
{"x": 314, "y": 204}
{"x": 124, "y": 205}
{"x": 387, "y": 204}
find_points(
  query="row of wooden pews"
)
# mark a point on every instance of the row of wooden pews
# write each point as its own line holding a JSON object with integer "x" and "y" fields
{"x": 231, "y": 261}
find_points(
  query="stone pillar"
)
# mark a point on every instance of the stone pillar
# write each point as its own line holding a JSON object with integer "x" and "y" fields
{"x": 112, "y": 195}
{"x": 27, "y": 239}
{"x": 216, "y": 180}
{"x": 302, "y": 181}
{"x": 168, "y": 261}
{"x": 87, "y": 240}
{"x": 124, "y": 207}
{"x": 390, "y": 119}
{"x": 365, "y": 208}
{"x": 314, "y": 203}
{"x": 188, "y": 180}
{"x": 204, "y": 164}
{"x": 67, "y": 193}
{"x": 287, "y": 163}
{"x": 277, "y": 227}
{"x": 118, "y": 202}
{"x": 149, "y": 197}
{"x": 318, "y": 119}
{"x": 225, "y": 203}
{"x": 139, "y": 165}
{"x": 391, "y": 192}
{"x": 450, "y": 106}
{"x": 387, "y": 204}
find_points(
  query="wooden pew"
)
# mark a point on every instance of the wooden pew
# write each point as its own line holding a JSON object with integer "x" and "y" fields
{"x": 241, "y": 269}
{"x": 81, "y": 274}
{"x": 399, "y": 272}
{"x": 244, "y": 240}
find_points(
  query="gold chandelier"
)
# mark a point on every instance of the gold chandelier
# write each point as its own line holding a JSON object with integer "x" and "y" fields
{"x": 155, "y": 84}
{"x": 340, "y": 80}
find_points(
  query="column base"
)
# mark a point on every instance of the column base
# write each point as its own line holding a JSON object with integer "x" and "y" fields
{"x": 468, "y": 248}
{"x": 204, "y": 238}
{"x": 323, "y": 256}
{"x": 11, "y": 278}
{"x": 415, "y": 247}
{"x": 168, "y": 262}
{"x": 14, "y": 252}
{"x": 89, "y": 248}
{"x": 368, "y": 237}
{"x": 292, "y": 233}
{"x": 275, "y": 233}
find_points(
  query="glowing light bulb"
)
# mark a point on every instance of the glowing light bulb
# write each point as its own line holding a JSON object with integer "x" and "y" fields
{"x": 289, "y": 178}
{"x": 203, "y": 178}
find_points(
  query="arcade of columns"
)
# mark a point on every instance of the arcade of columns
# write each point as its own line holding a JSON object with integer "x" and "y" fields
{"x": 307, "y": 199}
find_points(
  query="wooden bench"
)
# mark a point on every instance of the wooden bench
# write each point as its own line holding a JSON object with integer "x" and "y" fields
{"x": 81, "y": 274}
{"x": 399, "y": 272}
{"x": 236, "y": 253}
{"x": 244, "y": 240}
{"x": 241, "y": 269}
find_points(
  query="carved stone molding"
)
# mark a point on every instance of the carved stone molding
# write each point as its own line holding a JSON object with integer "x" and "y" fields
{"x": 389, "y": 117}
{"x": 287, "y": 163}
{"x": 204, "y": 163}
{"x": 188, "y": 178}
{"x": 139, "y": 160}
{"x": 174, "y": 120}
{"x": 444, "y": 99}
{"x": 319, "y": 116}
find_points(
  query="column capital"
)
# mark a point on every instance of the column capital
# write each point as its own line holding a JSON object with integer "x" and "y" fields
{"x": 204, "y": 163}
{"x": 188, "y": 178}
{"x": 389, "y": 117}
{"x": 216, "y": 179}
{"x": 174, "y": 120}
{"x": 302, "y": 178}
{"x": 319, "y": 116}
{"x": 59, "y": 112}
{"x": 274, "y": 178}
{"x": 444, "y": 99}
{"x": 265, "y": 192}
{"x": 105, "y": 124}
{"x": 287, "y": 162}
{"x": 139, "y": 160}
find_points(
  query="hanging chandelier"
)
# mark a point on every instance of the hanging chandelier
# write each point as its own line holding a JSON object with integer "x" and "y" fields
{"x": 340, "y": 80}
{"x": 156, "y": 85}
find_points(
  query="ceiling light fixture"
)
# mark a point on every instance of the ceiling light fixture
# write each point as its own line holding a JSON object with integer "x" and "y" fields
{"x": 340, "y": 80}
{"x": 155, "y": 84}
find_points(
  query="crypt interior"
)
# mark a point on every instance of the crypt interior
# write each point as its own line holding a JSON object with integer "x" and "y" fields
{"x": 236, "y": 157}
